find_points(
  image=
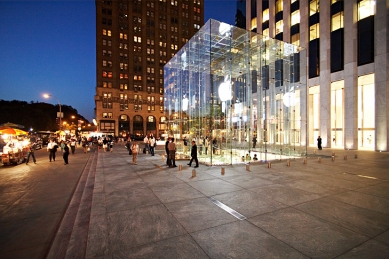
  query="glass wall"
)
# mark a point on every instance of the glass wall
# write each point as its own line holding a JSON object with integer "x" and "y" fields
{"x": 366, "y": 107}
{"x": 237, "y": 94}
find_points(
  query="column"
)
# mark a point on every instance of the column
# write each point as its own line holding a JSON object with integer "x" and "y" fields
{"x": 325, "y": 72}
{"x": 350, "y": 76}
{"x": 381, "y": 67}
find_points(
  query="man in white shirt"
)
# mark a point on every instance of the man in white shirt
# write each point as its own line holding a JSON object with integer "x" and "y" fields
{"x": 52, "y": 148}
{"x": 146, "y": 141}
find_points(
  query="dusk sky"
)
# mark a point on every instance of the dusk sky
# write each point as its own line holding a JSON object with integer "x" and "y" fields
{"x": 50, "y": 47}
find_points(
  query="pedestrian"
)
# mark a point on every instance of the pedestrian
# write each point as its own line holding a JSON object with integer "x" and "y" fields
{"x": 206, "y": 144}
{"x": 146, "y": 141}
{"x": 172, "y": 153}
{"x": 73, "y": 146}
{"x": 168, "y": 162}
{"x": 319, "y": 143}
{"x": 31, "y": 150}
{"x": 193, "y": 154}
{"x": 111, "y": 145}
{"x": 85, "y": 145}
{"x": 255, "y": 157}
{"x": 135, "y": 151}
{"x": 254, "y": 141}
{"x": 151, "y": 145}
{"x": 105, "y": 144}
{"x": 52, "y": 148}
{"x": 65, "y": 154}
{"x": 185, "y": 145}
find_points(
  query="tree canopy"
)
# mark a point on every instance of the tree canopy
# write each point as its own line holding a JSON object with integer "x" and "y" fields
{"x": 36, "y": 115}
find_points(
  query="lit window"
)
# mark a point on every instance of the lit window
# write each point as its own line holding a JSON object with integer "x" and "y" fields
{"x": 314, "y": 32}
{"x": 265, "y": 15}
{"x": 279, "y": 27}
{"x": 254, "y": 23}
{"x": 295, "y": 40}
{"x": 366, "y": 8}
{"x": 279, "y": 5}
{"x": 295, "y": 17}
{"x": 337, "y": 21}
{"x": 313, "y": 7}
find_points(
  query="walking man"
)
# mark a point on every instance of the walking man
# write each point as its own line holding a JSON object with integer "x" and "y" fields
{"x": 65, "y": 153}
{"x": 31, "y": 150}
{"x": 52, "y": 148}
{"x": 193, "y": 154}
{"x": 319, "y": 143}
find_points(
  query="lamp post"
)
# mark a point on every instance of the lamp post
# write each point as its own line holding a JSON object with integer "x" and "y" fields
{"x": 60, "y": 112}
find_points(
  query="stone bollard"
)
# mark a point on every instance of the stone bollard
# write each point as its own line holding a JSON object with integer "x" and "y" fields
{"x": 248, "y": 168}
{"x": 319, "y": 160}
{"x": 223, "y": 171}
{"x": 333, "y": 153}
{"x": 179, "y": 167}
{"x": 345, "y": 157}
{"x": 193, "y": 173}
{"x": 288, "y": 163}
{"x": 305, "y": 161}
{"x": 356, "y": 156}
{"x": 268, "y": 164}
{"x": 314, "y": 151}
{"x": 163, "y": 158}
{"x": 333, "y": 158}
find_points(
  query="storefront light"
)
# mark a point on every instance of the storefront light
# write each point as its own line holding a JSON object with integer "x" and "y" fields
{"x": 225, "y": 91}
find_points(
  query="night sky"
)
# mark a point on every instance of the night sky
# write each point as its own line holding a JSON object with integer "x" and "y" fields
{"x": 50, "y": 47}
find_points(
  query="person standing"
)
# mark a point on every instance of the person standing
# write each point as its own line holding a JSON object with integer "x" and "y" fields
{"x": 152, "y": 145}
{"x": 185, "y": 145}
{"x": 254, "y": 141}
{"x": 172, "y": 153}
{"x": 65, "y": 153}
{"x": 168, "y": 162}
{"x": 193, "y": 154}
{"x": 31, "y": 150}
{"x": 135, "y": 150}
{"x": 319, "y": 143}
{"x": 110, "y": 145}
{"x": 85, "y": 145}
{"x": 206, "y": 144}
{"x": 52, "y": 148}
{"x": 73, "y": 146}
{"x": 146, "y": 141}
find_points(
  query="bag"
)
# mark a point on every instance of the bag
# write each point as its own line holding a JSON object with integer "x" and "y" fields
{"x": 155, "y": 144}
{"x": 144, "y": 150}
{"x": 130, "y": 152}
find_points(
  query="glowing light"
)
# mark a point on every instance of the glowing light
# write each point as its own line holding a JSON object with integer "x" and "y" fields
{"x": 289, "y": 99}
{"x": 225, "y": 91}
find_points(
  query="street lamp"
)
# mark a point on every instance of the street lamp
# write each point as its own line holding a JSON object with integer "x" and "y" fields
{"x": 60, "y": 112}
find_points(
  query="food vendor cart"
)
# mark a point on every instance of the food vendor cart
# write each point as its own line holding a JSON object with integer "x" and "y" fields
{"x": 14, "y": 154}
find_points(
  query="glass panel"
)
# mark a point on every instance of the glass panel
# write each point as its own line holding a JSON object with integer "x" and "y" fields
{"x": 366, "y": 107}
{"x": 295, "y": 18}
{"x": 265, "y": 15}
{"x": 313, "y": 7}
{"x": 337, "y": 21}
{"x": 314, "y": 32}
{"x": 229, "y": 90}
{"x": 337, "y": 113}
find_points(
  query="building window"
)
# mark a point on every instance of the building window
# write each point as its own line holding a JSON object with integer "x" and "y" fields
{"x": 313, "y": 7}
{"x": 279, "y": 27}
{"x": 366, "y": 8}
{"x": 295, "y": 39}
{"x": 337, "y": 21}
{"x": 279, "y": 5}
{"x": 314, "y": 32}
{"x": 295, "y": 18}
{"x": 265, "y": 15}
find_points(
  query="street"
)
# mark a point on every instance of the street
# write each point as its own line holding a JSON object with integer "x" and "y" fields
{"x": 33, "y": 199}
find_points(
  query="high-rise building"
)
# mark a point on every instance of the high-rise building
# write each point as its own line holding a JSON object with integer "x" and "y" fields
{"x": 134, "y": 40}
{"x": 347, "y": 65}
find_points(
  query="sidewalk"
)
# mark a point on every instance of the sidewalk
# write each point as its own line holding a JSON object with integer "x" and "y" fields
{"x": 326, "y": 209}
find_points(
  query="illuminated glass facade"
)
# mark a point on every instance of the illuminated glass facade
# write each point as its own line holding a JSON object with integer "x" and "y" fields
{"x": 237, "y": 94}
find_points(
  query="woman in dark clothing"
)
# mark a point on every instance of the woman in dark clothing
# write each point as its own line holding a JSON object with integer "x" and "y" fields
{"x": 65, "y": 153}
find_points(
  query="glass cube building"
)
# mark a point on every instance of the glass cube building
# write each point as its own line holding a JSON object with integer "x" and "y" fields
{"x": 237, "y": 94}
